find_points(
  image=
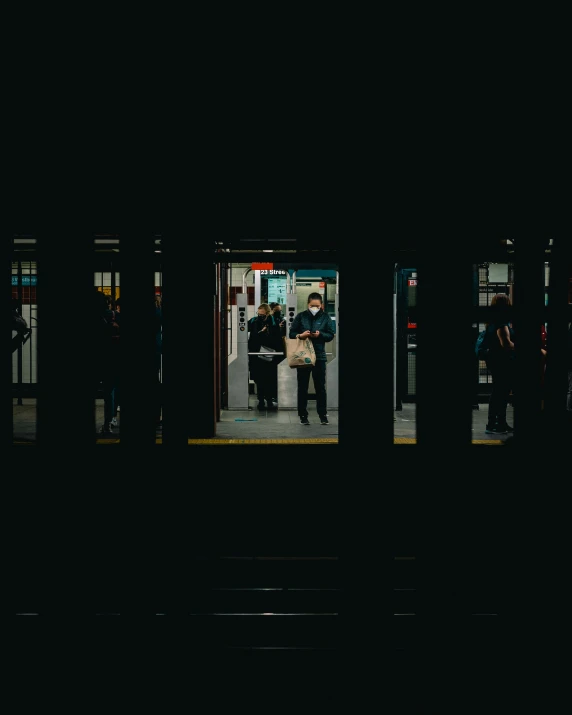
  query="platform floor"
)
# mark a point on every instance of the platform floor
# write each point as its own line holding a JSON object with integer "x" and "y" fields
{"x": 280, "y": 426}
{"x": 251, "y": 424}
{"x": 404, "y": 428}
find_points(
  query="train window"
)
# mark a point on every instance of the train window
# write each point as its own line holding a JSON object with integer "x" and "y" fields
{"x": 24, "y": 347}
{"x": 259, "y": 401}
{"x": 404, "y": 354}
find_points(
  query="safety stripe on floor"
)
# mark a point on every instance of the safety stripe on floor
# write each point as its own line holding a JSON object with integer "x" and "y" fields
{"x": 215, "y": 441}
{"x": 413, "y": 440}
{"x": 310, "y": 440}
{"x": 318, "y": 440}
{"x": 321, "y": 440}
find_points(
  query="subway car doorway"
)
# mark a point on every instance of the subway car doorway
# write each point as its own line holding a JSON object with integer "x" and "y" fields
{"x": 257, "y": 396}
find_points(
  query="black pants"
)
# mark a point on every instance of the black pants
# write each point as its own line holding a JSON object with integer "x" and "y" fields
{"x": 262, "y": 372}
{"x": 502, "y": 373}
{"x": 318, "y": 372}
{"x": 273, "y": 384}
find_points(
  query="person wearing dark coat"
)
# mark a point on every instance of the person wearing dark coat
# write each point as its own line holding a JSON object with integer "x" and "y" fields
{"x": 314, "y": 324}
{"x": 263, "y": 332}
{"x": 280, "y": 334}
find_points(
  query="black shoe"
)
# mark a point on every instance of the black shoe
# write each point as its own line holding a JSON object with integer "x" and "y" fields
{"x": 261, "y": 406}
{"x": 508, "y": 428}
{"x": 495, "y": 429}
{"x": 271, "y": 407}
{"x": 304, "y": 420}
{"x": 324, "y": 420}
{"x": 106, "y": 429}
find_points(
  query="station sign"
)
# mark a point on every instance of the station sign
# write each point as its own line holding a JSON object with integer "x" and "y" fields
{"x": 26, "y": 280}
{"x": 272, "y": 273}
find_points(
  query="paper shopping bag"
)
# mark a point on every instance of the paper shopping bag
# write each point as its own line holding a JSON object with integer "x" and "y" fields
{"x": 300, "y": 353}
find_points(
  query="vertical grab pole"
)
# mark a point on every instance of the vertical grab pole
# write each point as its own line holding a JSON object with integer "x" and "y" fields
{"x": 238, "y": 363}
{"x": 287, "y": 377}
{"x": 332, "y": 375}
{"x": 20, "y": 347}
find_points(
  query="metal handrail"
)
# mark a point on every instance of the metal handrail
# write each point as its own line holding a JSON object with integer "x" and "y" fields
{"x": 246, "y": 272}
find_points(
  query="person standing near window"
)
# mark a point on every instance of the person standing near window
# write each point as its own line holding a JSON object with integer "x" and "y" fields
{"x": 499, "y": 360}
{"x": 279, "y": 329}
{"x": 261, "y": 332}
{"x": 315, "y": 324}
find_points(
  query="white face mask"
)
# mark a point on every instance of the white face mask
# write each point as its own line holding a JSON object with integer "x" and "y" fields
{"x": 314, "y": 310}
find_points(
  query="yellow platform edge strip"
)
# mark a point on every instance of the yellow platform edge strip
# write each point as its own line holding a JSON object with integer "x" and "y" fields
{"x": 318, "y": 440}
{"x": 216, "y": 442}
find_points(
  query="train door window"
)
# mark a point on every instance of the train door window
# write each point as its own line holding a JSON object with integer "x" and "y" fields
{"x": 108, "y": 395}
{"x": 242, "y": 369}
{"x": 404, "y": 354}
{"x": 24, "y": 345}
{"x": 491, "y": 279}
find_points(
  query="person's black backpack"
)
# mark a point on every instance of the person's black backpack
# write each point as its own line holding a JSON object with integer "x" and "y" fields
{"x": 20, "y": 327}
{"x": 19, "y": 323}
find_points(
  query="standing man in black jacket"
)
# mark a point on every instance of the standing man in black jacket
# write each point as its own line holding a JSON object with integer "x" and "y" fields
{"x": 263, "y": 332}
{"x": 316, "y": 325}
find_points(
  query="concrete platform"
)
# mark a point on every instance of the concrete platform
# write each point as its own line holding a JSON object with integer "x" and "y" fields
{"x": 250, "y": 424}
{"x": 404, "y": 428}
{"x": 280, "y": 426}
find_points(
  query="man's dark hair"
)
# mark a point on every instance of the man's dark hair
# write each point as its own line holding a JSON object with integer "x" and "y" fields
{"x": 314, "y": 296}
